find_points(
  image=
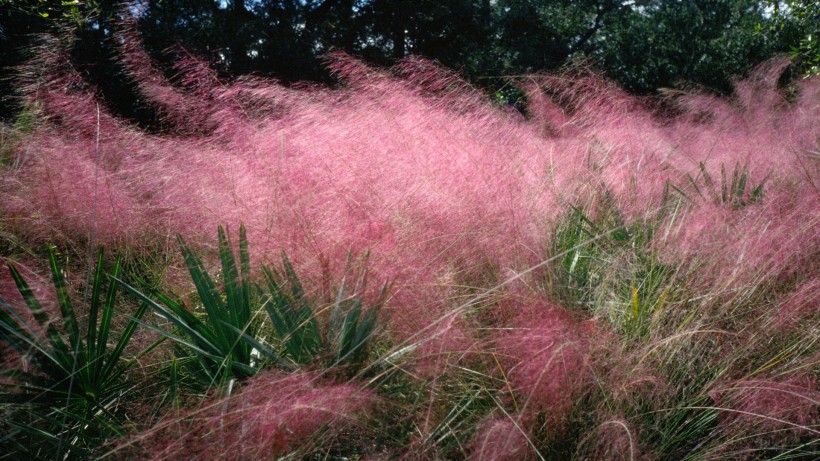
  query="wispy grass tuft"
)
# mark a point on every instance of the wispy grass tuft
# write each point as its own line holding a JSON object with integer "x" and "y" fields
{"x": 606, "y": 277}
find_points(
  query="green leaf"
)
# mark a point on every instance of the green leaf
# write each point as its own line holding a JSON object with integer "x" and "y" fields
{"x": 245, "y": 273}
{"x": 75, "y": 389}
{"x": 37, "y": 311}
{"x": 230, "y": 275}
{"x": 96, "y": 287}
{"x": 69, "y": 316}
{"x": 291, "y": 315}
{"x": 189, "y": 325}
{"x": 724, "y": 198}
{"x": 264, "y": 350}
{"x": 108, "y": 313}
{"x": 125, "y": 338}
{"x": 208, "y": 294}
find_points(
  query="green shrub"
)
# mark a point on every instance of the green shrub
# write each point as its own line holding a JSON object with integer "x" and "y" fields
{"x": 606, "y": 265}
{"x": 349, "y": 329}
{"x": 728, "y": 191}
{"x": 218, "y": 346}
{"x": 64, "y": 403}
{"x": 230, "y": 340}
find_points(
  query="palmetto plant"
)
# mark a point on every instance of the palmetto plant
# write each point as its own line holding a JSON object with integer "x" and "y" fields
{"x": 217, "y": 346}
{"x": 735, "y": 191}
{"x": 608, "y": 267}
{"x": 349, "y": 328}
{"x": 230, "y": 340}
{"x": 64, "y": 401}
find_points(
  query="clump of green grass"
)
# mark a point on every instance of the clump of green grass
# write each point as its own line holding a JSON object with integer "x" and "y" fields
{"x": 736, "y": 191}
{"x": 66, "y": 399}
{"x": 230, "y": 341}
{"x": 608, "y": 267}
{"x": 11, "y": 136}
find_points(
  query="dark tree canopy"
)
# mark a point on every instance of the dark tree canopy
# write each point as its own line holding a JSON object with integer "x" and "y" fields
{"x": 642, "y": 44}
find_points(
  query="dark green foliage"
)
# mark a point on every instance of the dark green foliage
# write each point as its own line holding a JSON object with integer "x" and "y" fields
{"x": 64, "y": 400}
{"x": 466, "y": 399}
{"x": 797, "y": 24}
{"x": 676, "y": 425}
{"x": 291, "y": 315}
{"x": 661, "y": 44}
{"x": 585, "y": 244}
{"x": 643, "y": 45}
{"x": 735, "y": 192}
{"x": 230, "y": 341}
{"x": 606, "y": 266}
{"x": 217, "y": 346}
{"x": 349, "y": 328}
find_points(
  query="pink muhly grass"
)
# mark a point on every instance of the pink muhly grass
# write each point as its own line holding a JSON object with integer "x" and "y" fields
{"x": 799, "y": 307}
{"x": 500, "y": 439}
{"x": 614, "y": 439}
{"x": 768, "y": 245}
{"x": 766, "y": 413}
{"x": 456, "y": 201}
{"x": 50, "y": 81}
{"x": 12, "y": 301}
{"x": 41, "y": 287}
{"x": 187, "y": 113}
{"x": 447, "y": 193}
{"x": 39, "y": 281}
{"x": 544, "y": 356}
{"x": 270, "y": 416}
{"x": 757, "y": 127}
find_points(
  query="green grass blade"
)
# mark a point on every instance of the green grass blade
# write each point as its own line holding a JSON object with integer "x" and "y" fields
{"x": 237, "y": 302}
{"x": 230, "y": 274}
{"x": 740, "y": 187}
{"x": 680, "y": 192}
{"x": 24, "y": 343}
{"x": 694, "y": 185}
{"x": 281, "y": 324}
{"x": 14, "y": 334}
{"x": 108, "y": 312}
{"x": 67, "y": 310}
{"x": 245, "y": 274}
{"x": 184, "y": 315}
{"x": 211, "y": 299}
{"x": 709, "y": 183}
{"x": 297, "y": 290}
{"x": 201, "y": 352}
{"x": 348, "y": 329}
{"x": 277, "y": 305}
{"x": 96, "y": 287}
{"x": 187, "y": 325}
{"x": 733, "y": 185}
{"x": 723, "y": 186}
{"x": 364, "y": 331}
{"x": 53, "y": 362}
{"x": 292, "y": 319}
{"x": 205, "y": 335}
{"x": 174, "y": 386}
{"x": 707, "y": 178}
{"x": 125, "y": 338}
{"x": 117, "y": 371}
{"x": 37, "y": 311}
{"x": 264, "y": 350}
{"x": 336, "y": 314}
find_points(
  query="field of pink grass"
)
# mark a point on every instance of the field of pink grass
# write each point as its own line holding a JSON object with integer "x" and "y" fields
{"x": 457, "y": 202}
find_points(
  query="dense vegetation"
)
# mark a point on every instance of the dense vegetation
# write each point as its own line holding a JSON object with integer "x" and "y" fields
{"x": 643, "y": 45}
{"x": 398, "y": 267}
